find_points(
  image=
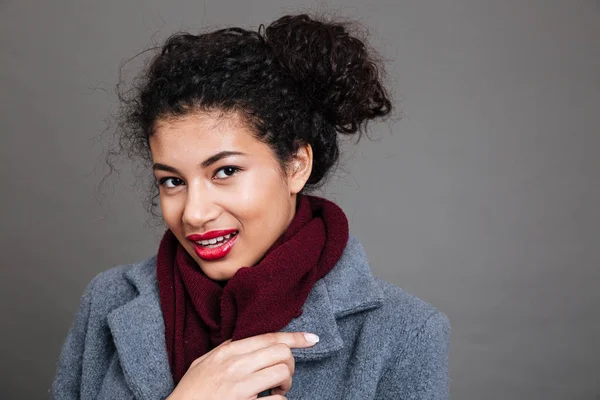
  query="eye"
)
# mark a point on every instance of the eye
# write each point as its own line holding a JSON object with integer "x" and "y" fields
{"x": 226, "y": 172}
{"x": 170, "y": 182}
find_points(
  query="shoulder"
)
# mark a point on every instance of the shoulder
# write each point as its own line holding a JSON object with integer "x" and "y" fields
{"x": 388, "y": 319}
{"x": 353, "y": 287}
{"x": 89, "y": 347}
{"x": 413, "y": 345}
{"x": 118, "y": 285}
{"x": 408, "y": 313}
{"x": 410, "y": 338}
{"x": 125, "y": 275}
{"x": 413, "y": 335}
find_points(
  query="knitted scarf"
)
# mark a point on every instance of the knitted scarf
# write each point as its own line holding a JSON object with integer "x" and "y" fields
{"x": 200, "y": 313}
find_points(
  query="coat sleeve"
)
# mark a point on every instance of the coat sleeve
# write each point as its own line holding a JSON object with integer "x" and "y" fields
{"x": 420, "y": 371}
{"x": 67, "y": 381}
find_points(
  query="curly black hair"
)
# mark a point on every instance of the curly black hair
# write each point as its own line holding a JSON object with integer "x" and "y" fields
{"x": 298, "y": 81}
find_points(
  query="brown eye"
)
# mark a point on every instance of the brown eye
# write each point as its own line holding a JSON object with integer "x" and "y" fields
{"x": 226, "y": 172}
{"x": 170, "y": 182}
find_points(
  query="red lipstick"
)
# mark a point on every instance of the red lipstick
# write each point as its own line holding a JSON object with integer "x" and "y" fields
{"x": 213, "y": 253}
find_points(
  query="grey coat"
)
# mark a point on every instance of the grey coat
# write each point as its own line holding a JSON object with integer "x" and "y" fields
{"x": 377, "y": 341}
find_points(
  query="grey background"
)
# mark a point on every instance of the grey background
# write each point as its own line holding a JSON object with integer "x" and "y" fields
{"x": 483, "y": 199}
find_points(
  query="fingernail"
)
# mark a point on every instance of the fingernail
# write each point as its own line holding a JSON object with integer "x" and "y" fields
{"x": 311, "y": 337}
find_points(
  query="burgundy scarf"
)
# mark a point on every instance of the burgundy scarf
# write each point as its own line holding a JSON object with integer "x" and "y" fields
{"x": 200, "y": 314}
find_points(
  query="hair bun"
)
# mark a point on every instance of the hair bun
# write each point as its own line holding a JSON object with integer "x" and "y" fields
{"x": 333, "y": 69}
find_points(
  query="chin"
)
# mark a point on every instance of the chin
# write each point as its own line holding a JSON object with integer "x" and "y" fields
{"x": 218, "y": 272}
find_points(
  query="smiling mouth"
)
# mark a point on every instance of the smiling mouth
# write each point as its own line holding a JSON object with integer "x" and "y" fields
{"x": 216, "y": 242}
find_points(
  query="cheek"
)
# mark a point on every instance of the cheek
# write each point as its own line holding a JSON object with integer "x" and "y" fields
{"x": 172, "y": 211}
{"x": 264, "y": 199}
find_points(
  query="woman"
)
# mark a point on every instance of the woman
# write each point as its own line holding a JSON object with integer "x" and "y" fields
{"x": 257, "y": 290}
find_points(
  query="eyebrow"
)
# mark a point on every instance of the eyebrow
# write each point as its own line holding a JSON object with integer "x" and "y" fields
{"x": 204, "y": 164}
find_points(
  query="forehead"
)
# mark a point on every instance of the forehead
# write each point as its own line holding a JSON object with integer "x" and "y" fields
{"x": 204, "y": 133}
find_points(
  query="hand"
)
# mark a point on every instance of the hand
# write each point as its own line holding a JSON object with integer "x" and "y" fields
{"x": 240, "y": 370}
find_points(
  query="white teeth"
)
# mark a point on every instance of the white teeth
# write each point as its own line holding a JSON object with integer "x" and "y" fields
{"x": 215, "y": 241}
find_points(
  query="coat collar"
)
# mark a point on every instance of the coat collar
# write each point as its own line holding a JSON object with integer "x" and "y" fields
{"x": 138, "y": 326}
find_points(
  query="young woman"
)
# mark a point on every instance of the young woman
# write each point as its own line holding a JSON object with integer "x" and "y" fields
{"x": 257, "y": 290}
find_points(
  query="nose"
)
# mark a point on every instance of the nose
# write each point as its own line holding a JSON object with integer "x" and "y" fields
{"x": 200, "y": 207}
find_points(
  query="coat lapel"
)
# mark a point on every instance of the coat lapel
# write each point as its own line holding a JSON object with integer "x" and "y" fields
{"x": 317, "y": 317}
{"x": 139, "y": 336}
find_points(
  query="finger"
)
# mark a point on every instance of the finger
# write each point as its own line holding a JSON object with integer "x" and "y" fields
{"x": 274, "y": 376}
{"x": 292, "y": 339}
{"x": 276, "y": 397}
{"x": 279, "y": 353}
{"x": 218, "y": 348}
{"x": 284, "y": 387}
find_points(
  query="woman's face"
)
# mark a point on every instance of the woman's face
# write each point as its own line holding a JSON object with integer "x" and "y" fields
{"x": 222, "y": 191}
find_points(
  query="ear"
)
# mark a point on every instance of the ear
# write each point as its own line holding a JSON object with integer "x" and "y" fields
{"x": 299, "y": 168}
